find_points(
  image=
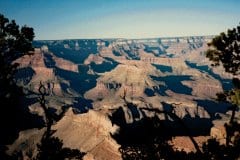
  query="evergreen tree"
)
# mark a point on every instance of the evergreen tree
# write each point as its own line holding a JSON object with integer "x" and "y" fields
{"x": 15, "y": 42}
{"x": 225, "y": 50}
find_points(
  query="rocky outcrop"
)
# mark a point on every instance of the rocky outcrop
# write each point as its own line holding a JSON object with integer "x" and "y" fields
{"x": 219, "y": 132}
{"x": 65, "y": 64}
{"x": 204, "y": 86}
{"x": 93, "y": 58}
{"x": 41, "y": 72}
{"x": 89, "y": 132}
{"x": 193, "y": 111}
{"x": 33, "y": 60}
{"x": 27, "y": 142}
{"x": 184, "y": 143}
{"x": 128, "y": 79}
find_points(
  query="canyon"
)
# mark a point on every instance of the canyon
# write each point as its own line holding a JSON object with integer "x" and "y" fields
{"x": 95, "y": 78}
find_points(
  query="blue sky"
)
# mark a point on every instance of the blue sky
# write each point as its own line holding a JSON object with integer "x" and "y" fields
{"x": 66, "y": 19}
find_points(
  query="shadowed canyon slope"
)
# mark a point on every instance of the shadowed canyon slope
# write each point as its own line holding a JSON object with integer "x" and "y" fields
{"x": 137, "y": 76}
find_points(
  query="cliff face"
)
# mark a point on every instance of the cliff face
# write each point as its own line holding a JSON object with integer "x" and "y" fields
{"x": 152, "y": 71}
{"x": 89, "y": 132}
{"x": 105, "y": 75}
{"x": 44, "y": 67}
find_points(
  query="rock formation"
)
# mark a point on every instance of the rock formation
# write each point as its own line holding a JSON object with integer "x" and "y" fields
{"x": 88, "y": 132}
{"x": 105, "y": 75}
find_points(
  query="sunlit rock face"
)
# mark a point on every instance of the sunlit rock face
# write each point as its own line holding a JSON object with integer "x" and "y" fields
{"x": 89, "y": 132}
{"x": 107, "y": 73}
{"x": 139, "y": 76}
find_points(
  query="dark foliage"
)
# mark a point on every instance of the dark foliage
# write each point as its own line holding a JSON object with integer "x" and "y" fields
{"x": 14, "y": 43}
{"x": 225, "y": 49}
{"x": 51, "y": 148}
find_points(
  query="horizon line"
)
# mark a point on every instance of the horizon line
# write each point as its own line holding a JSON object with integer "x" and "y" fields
{"x": 164, "y": 37}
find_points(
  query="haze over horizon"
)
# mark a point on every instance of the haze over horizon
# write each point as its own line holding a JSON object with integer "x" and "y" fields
{"x": 123, "y": 19}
